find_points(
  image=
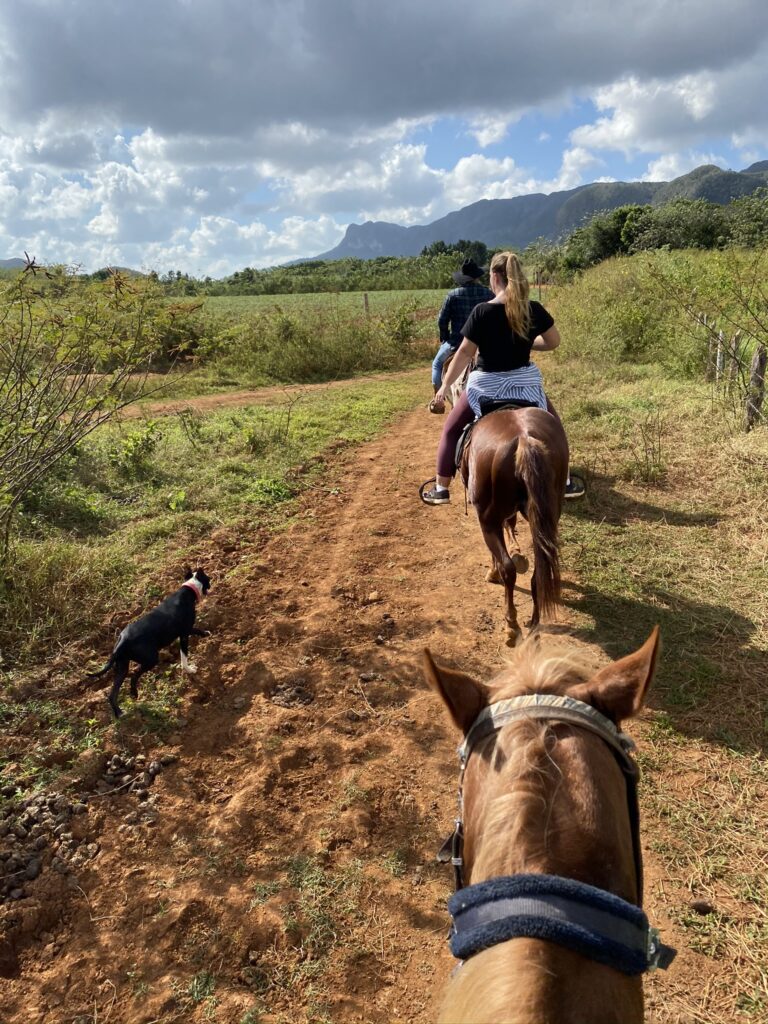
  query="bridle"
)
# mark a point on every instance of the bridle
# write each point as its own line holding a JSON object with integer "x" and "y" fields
{"x": 545, "y": 906}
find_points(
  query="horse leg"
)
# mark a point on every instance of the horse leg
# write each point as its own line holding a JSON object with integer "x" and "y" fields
{"x": 493, "y": 534}
{"x": 521, "y": 562}
{"x": 493, "y": 575}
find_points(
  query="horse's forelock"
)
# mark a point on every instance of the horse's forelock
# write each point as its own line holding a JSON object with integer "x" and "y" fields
{"x": 541, "y": 664}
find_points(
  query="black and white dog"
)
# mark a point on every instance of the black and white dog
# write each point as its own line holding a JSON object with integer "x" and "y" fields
{"x": 142, "y": 640}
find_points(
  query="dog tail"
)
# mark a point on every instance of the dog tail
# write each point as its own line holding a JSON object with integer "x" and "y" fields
{"x": 102, "y": 671}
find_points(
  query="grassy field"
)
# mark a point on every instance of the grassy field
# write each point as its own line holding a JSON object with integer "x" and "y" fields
{"x": 674, "y": 530}
{"x": 350, "y": 302}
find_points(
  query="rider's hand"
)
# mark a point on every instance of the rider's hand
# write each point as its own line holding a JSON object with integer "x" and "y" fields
{"x": 439, "y": 395}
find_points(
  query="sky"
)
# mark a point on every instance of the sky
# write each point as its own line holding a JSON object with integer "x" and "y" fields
{"x": 209, "y": 135}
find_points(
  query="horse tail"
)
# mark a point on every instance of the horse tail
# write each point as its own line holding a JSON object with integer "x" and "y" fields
{"x": 542, "y": 508}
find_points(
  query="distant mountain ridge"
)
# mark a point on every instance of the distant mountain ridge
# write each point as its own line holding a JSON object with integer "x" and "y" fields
{"x": 13, "y": 264}
{"x": 521, "y": 220}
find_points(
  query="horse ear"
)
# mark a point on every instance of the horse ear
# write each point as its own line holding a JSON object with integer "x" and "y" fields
{"x": 464, "y": 697}
{"x": 621, "y": 687}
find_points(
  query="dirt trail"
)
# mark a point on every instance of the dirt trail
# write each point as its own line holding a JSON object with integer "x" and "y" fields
{"x": 334, "y": 610}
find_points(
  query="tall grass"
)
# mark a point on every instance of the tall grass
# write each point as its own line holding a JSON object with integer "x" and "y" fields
{"x": 644, "y": 308}
{"x": 261, "y": 344}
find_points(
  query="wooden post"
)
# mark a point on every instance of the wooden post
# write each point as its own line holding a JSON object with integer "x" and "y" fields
{"x": 756, "y": 392}
{"x": 720, "y": 357}
{"x": 709, "y": 373}
{"x": 733, "y": 358}
{"x": 365, "y": 303}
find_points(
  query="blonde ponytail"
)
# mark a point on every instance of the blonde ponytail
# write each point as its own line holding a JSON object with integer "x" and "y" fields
{"x": 516, "y": 292}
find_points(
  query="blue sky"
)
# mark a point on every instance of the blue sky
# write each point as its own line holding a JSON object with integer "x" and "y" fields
{"x": 214, "y": 134}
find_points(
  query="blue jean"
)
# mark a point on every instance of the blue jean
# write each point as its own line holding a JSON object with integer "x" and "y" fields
{"x": 445, "y": 350}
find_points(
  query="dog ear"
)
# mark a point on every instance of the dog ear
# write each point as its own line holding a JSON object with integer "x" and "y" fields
{"x": 187, "y": 573}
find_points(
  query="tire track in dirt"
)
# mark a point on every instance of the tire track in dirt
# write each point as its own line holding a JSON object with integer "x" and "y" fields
{"x": 337, "y": 609}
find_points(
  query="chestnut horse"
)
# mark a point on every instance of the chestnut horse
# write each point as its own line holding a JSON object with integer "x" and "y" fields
{"x": 548, "y": 803}
{"x": 517, "y": 461}
{"x": 456, "y": 389}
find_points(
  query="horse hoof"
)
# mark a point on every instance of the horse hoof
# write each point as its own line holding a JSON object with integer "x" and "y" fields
{"x": 493, "y": 576}
{"x": 514, "y": 636}
{"x": 520, "y": 563}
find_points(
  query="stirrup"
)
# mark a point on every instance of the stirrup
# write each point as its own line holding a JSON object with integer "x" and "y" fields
{"x": 423, "y": 488}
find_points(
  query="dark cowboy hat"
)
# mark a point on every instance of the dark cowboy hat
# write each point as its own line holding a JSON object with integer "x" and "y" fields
{"x": 469, "y": 272}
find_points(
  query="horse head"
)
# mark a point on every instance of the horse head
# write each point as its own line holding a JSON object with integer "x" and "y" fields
{"x": 548, "y": 795}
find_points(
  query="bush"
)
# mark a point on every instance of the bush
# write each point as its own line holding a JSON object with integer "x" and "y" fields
{"x": 289, "y": 347}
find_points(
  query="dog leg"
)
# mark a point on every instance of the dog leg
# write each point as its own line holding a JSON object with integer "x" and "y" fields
{"x": 186, "y": 664}
{"x": 121, "y": 671}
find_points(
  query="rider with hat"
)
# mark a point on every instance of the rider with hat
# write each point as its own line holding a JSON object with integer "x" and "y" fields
{"x": 456, "y": 307}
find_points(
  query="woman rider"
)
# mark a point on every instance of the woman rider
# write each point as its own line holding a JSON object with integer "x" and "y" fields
{"x": 500, "y": 335}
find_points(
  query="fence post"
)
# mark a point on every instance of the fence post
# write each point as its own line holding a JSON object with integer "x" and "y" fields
{"x": 756, "y": 390}
{"x": 733, "y": 358}
{"x": 365, "y": 303}
{"x": 720, "y": 357}
{"x": 709, "y": 373}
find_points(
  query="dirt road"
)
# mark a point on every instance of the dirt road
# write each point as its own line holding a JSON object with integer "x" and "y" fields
{"x": 288, "y": 859}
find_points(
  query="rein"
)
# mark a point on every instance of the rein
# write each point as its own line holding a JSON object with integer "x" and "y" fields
{"x": 591, "y": 921}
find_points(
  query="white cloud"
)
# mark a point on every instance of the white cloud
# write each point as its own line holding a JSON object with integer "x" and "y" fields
{"x": 204, "y": 134}
{"x": 673, "y": 165}
{"x": 490, "y": 130}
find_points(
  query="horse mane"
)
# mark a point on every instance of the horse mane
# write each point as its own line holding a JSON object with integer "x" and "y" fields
{"x": 542, "y": 664}
{"x": 529, "y": 777}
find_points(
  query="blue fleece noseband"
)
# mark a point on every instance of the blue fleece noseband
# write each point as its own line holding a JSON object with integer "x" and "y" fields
{"x": 590, "y": 921}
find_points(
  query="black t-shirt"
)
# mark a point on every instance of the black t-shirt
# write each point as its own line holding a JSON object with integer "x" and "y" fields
{"x": 499, "y": 347}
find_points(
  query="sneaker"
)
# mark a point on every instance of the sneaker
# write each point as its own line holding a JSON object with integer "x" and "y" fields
{"x": 574, "y": 488}
{"x": 436, "y": 496}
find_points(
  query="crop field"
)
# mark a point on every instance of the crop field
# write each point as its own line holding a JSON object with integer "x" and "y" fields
{"x": 256, "y": 842}
{"x": 348, "y": 302}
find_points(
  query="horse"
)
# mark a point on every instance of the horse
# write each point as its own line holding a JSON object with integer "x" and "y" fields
{"x": 548, "y": 924}
{"x": 458, "y": 386}
{"x": 517, "y": 461}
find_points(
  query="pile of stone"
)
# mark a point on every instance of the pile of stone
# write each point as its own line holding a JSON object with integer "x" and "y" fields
{"x": 42, "y": 831}
{"x": 28, "y": 830}
{"x": 132, "y": 773}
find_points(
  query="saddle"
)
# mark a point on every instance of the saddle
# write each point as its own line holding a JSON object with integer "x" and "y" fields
{"x": 487, "y": 406}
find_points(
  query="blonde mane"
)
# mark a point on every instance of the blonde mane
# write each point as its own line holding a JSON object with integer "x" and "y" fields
{"x": 541, "y": 664}
{"x": 529, "y": 777}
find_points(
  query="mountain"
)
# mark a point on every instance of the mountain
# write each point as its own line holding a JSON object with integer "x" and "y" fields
{"x": 13, "y": 264}
{"x": 519, "y": 221}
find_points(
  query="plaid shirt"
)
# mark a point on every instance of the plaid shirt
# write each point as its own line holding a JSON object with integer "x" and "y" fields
{"x": 457, "y": 306}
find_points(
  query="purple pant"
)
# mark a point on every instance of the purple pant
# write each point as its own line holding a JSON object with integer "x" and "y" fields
{"x": 457, "y": 419}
